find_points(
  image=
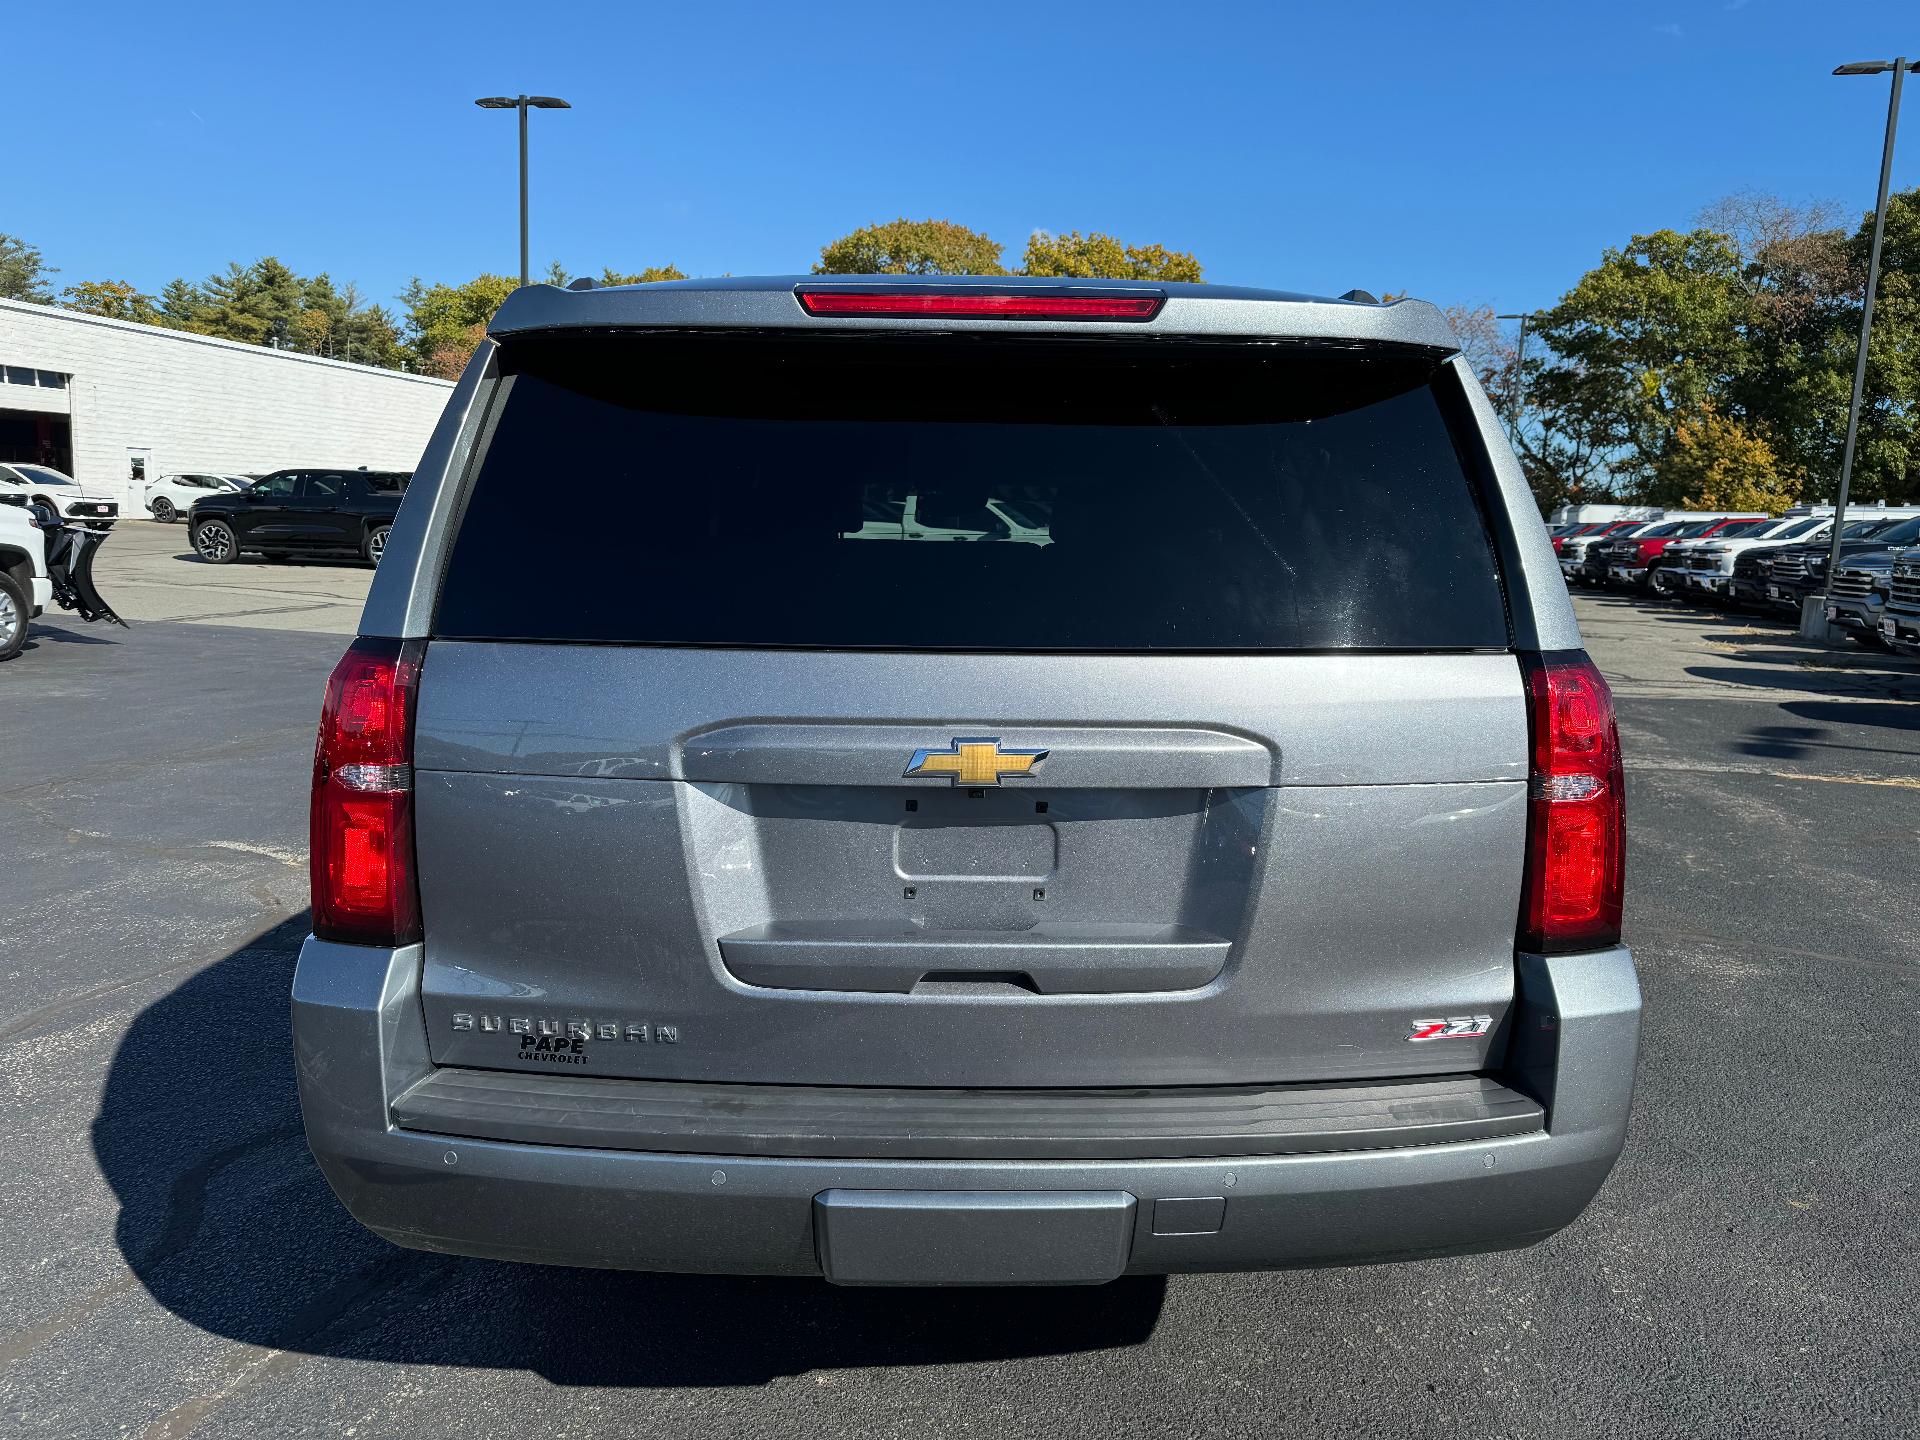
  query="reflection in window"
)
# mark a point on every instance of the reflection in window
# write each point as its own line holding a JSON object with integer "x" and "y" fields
{"x": 897, "y": 512}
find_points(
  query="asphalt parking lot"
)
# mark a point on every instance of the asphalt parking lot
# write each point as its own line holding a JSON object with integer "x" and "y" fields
{"x": 173, "y": 1264}
{"x": 148, "y": 572}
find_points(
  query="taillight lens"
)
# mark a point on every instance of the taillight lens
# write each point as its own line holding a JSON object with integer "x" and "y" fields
{"x": 365, "y": 891}
{"x": 1576, "y": 824}
{"x": 980, "y": 305}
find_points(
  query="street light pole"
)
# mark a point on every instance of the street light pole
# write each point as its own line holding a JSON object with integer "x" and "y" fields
{"x": 522, "y": 103}
{"x": 1899, "y": 67}
{"x": 1519, "y": 372}
{"x": 523, "y": 190}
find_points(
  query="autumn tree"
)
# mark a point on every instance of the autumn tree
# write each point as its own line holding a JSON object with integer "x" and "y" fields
{"x": 115, "y": 299}
{"x": 446, "y": 323}
{"x": 912, "y": 247}
{"x": 23, "y": 273}
{"x": 1719, "y": 463}
{"x": 1094, "y": 256}
{"x": 1488, "y": 350}
{"x": 648, "y": 276}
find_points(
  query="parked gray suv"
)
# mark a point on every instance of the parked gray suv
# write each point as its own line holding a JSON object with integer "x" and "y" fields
{"x": 998, "y": 782}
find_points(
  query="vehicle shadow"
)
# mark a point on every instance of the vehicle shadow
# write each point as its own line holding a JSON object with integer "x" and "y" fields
{"x": 1868, "y": 682}
{"x": 227, "y": 1222}
{"x": 1890, "y": 715}
{"x": 261, "y": 562}
{"x": 38, "y": 632}
{"x": 1781, "y": 742}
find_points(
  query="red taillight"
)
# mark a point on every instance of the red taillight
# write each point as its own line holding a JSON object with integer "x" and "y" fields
{"x": 364, "y": 888}
{"x": 977, "y": 305}
{"x": 1576, "y": 824}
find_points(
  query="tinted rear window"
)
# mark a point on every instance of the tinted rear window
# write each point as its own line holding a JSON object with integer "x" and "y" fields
{"x": 970, "y": 494}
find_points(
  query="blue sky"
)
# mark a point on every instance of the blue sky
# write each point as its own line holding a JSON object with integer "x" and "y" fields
{"x": 1467, "y": 153}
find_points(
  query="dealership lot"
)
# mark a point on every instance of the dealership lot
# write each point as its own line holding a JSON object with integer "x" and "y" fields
{"x": 174, "y": 1264}
{"x": 149, "y": 572}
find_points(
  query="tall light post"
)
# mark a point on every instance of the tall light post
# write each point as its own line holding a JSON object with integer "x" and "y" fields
{"x": 1899, "y": 67}
{"x": 522, "y": 103}
{"x": 1519, "y": 372}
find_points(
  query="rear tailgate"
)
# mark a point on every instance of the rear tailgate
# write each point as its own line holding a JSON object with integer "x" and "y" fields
{"x": 966, "y": 713}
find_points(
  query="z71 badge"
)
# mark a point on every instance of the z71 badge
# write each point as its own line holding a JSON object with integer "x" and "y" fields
{"x": 1453, "y": 1027}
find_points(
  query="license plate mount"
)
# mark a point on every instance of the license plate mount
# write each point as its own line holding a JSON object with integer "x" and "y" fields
{"x": 973, "y": 1237}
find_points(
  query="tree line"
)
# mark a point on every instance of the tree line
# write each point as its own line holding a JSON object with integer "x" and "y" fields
{"x": 1708, "y": 368}
{"x": 438, "y": 324}
{"x": 1712, "y": 368}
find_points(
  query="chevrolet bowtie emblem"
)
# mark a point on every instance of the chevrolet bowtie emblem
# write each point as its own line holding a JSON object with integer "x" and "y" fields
{"x": 974, "y": 760}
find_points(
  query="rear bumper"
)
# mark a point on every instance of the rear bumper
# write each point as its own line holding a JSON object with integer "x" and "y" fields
{"x": 41, "y": 593}
{"x": 360, "y": 1045}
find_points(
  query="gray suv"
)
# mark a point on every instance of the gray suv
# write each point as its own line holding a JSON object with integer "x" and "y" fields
{"x": 1012, "y": 782}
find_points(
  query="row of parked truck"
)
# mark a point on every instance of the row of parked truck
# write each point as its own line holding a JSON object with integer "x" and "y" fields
{"x": 1769, "y": 564}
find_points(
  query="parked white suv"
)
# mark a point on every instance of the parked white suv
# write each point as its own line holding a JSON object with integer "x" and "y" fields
{"x": 172, "y": 496}
{"x": 24, "y": 586}
{"x": 22, "y": 484}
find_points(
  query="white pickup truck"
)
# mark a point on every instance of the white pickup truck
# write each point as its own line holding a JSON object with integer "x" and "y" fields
{"x": 24, "y": 586}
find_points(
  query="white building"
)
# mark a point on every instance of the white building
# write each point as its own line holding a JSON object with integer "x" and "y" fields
{"x": 115, "y": 404}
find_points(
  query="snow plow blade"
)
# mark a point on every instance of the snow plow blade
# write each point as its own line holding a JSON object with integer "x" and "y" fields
{"x": 70, "y": 550}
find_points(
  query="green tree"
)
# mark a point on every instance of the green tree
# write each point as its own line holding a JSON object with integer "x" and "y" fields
{"x": 1885, "y": 463}
{"x": 446, "y": 323}
{"x": 256, "y": 304}
{"x": 1803, "y": 286}
{"x": 651, "y": 275}
{"x": 367, "y": 334}
{"x": 1658, "y": 331}
{"x": 181, "y": 305}
{"x": 267, "y": 303}
{"x": 115, "y": 299}
{"x": 23, "y": 273}
{"x": 1664, "y": 370}
{"x": 1101, "y": 257}
{"x": 912, "y": 247}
